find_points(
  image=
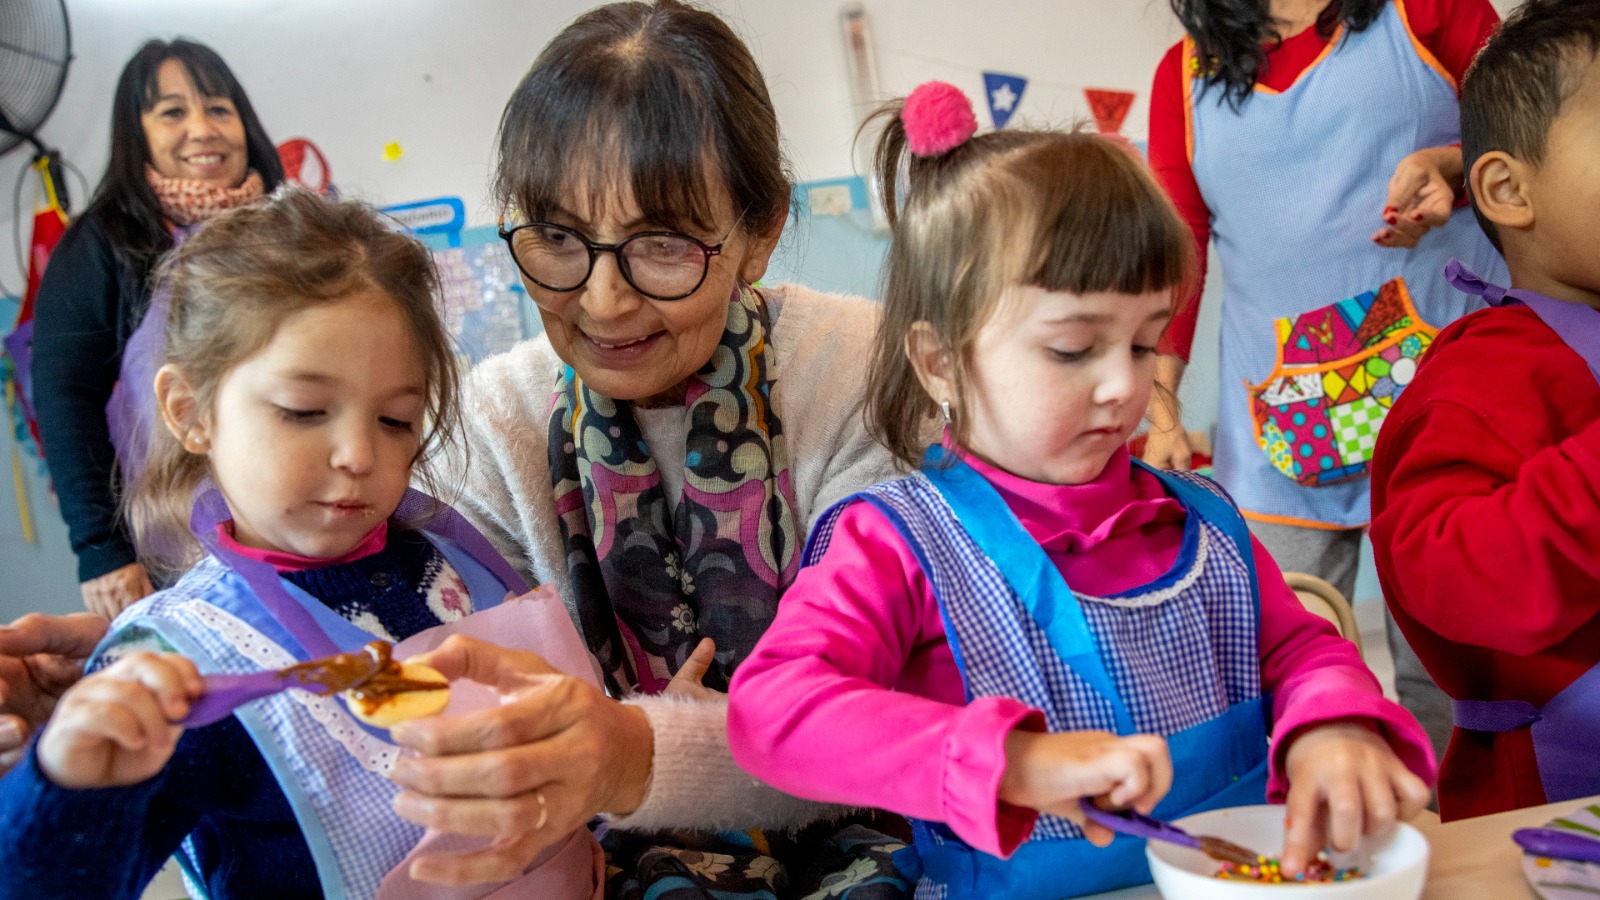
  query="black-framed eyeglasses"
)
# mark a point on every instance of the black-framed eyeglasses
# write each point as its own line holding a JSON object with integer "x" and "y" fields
{"x": 662, "y": 265}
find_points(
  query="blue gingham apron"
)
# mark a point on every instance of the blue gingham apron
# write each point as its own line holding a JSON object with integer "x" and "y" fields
{"x": 1177, "y": 657}
{"x": 233, "y": 615}
{"x": 1295, "y": 181}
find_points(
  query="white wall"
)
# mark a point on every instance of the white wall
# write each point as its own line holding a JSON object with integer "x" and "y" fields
{"x": 354, "y": 75}
{"x": 432, "y": 76}
{"x": 357, "y": 74}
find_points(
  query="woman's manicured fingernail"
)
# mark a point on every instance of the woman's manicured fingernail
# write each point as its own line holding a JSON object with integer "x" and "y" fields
{"x": 1391, "y": 218}
{"x": 1417, "y": 217}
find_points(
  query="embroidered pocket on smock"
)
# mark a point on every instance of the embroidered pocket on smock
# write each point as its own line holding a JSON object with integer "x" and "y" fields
{"x": 1339, "y": 369}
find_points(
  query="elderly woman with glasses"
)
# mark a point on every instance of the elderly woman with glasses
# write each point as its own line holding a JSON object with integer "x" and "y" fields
{"x": 660, "y": 454}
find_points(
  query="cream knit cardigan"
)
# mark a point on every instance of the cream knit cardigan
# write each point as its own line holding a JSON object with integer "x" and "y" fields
{"x": 821, "y": 346}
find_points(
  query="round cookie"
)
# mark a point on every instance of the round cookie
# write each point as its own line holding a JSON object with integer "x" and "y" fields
{"x": 389, "y": 698}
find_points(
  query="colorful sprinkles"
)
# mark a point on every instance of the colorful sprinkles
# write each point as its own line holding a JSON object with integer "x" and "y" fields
{"x": 1266, "y": 870}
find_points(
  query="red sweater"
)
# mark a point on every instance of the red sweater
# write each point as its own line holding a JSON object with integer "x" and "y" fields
{"x": 1452, "y": 30}
{"x": 1485, "y": 520}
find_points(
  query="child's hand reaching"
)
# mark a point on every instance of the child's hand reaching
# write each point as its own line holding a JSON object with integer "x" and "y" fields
{"x": 1344, "y": 783}
{"x": 687, "y": 682}
{"x": 1049, "y": 772}
{"x": 117, "y": 727}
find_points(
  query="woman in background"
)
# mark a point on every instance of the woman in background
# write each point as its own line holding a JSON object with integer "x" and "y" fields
{"x": 185, "y": 145}
{"x": 1276, "y": 126}
{"x": 660, "y": 452}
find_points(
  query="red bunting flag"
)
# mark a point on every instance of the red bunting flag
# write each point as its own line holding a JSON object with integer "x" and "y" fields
{"x": 1109, "y": 108}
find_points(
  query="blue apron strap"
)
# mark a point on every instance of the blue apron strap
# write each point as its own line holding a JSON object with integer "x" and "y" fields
{"x": 1210, "y": 506}
{"x": 1035, "y": 579}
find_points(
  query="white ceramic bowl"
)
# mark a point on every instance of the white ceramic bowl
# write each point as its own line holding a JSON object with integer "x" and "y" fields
{"x": 1395, "y": 871}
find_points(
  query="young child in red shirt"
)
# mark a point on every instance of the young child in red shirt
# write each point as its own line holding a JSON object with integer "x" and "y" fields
{"x": 1486, "y": 484}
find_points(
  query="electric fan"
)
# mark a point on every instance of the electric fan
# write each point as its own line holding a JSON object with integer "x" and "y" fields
{"x": 35, "y": 47}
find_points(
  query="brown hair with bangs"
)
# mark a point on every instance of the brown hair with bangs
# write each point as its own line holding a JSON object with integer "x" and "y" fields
{"x": 232, "y": 285}
{"x": 662, "y": 98}
{"x": 1060, "y": 211}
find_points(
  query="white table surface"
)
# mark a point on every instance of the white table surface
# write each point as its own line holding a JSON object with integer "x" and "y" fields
{"x": 1470, "y": 859}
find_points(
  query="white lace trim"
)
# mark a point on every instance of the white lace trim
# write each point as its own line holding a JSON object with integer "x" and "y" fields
{"x": 1156, "y": 598}
{"x": 370, "y": 753}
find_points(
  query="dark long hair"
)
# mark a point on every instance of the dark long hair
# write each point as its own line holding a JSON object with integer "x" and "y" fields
{"x": 1228, "y": 37}
{"x": 662, "y": 98}
{"x": 124, "y": 205}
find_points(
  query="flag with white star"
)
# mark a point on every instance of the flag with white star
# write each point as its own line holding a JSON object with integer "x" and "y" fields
{"x": 1004, "y": 93}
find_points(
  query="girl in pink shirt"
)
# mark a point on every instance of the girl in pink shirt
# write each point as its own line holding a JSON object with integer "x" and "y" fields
{"x": 931, "y": 658}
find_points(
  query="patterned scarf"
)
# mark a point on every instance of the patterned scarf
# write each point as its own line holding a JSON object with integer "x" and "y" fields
{"x": 185, "y": 201}
{"x": 652, "y": 581}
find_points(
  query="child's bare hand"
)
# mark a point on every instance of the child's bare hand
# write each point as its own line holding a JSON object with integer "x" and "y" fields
{"x": 116, "y": 727}
{"x": 1344, "y": 783}
{"x": 1049, "y": 772}
{"x": 686, "y": 683}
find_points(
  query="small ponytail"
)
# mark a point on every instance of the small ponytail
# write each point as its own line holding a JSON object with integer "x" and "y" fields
{"x": 933, "y": 120}
{"x": 976, "y": 214}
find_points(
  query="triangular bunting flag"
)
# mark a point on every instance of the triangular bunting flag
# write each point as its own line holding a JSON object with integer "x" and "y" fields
{"x": 1004, "y": 93}
{"x": 1109, "y": 108}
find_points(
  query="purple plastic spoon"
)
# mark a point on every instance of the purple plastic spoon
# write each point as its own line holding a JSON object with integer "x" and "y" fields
{"x": 225, "y": 693}
{"x": 1135, "y": 824}
{"x": 1557, "y": 843}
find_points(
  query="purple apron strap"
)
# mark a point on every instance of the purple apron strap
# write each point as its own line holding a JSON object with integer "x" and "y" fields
{"x": 1577, "y": 325}
{"x": 210, "y": 511}
{"x": 131, "y": 414}
{"x": 1494, "y": 715}
{"x": 1565, "y": 737}
{"x": 19, "y": 344}
{"x": 442, "y": 519}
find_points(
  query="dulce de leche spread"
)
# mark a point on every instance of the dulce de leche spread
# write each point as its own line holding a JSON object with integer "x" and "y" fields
{"x": 370, "y": 677}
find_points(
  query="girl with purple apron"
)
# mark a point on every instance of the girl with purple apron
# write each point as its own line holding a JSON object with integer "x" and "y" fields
{"x": 234, "y": 615}
{"x": 1566, "y": 730}
{"x": 1016, "y": 629}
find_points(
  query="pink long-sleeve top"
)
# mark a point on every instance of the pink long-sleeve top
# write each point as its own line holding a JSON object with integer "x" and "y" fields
{"x": 853, "y": 696}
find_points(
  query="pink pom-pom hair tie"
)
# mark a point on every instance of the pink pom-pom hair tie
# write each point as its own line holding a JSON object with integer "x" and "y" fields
{"x": 938, "y": 118}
